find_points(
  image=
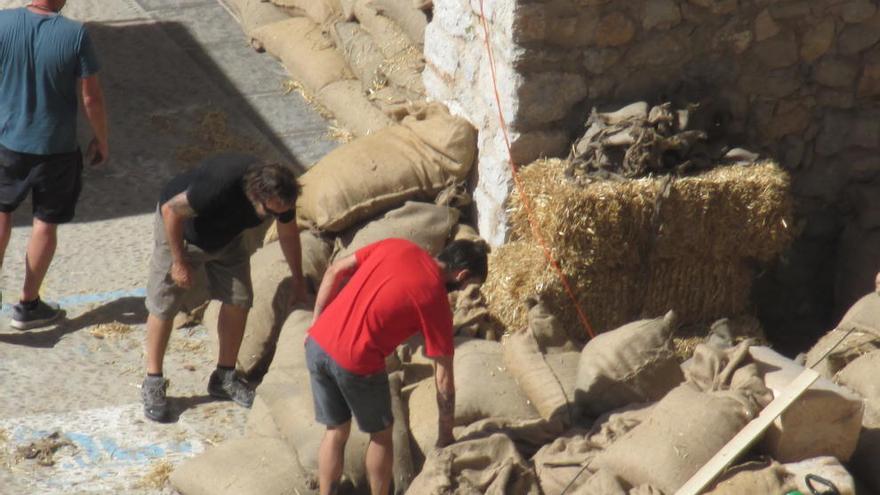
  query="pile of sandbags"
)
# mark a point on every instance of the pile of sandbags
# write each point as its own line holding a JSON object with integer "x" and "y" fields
{"x": 360, "y": 60}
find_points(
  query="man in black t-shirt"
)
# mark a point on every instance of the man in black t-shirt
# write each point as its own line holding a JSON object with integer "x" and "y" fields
{"x": 199, "y": 226}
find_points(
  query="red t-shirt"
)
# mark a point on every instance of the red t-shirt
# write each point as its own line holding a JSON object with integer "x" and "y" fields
{"x": 396, "y": 290}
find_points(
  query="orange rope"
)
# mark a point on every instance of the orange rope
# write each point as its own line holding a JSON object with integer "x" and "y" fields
{"x": 518, "y": 184}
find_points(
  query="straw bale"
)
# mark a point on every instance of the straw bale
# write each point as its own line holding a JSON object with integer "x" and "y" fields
{"x": 733, "y": 212}
{"x": 698, "y": 291}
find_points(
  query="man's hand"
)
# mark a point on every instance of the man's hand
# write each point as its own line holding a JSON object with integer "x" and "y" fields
{"x": 301, "y": 296}
{"x": 877, "y": 283}
{"x": 98, "y": 152}
{"x": 181, "y": 273}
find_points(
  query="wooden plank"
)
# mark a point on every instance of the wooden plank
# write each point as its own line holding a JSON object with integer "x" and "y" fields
{"x": 748, "y": 435}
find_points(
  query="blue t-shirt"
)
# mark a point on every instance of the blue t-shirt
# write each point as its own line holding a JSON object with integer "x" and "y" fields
{"x": 41, "y": 58}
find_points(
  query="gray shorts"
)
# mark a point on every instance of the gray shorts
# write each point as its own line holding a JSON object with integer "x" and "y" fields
{"x": 226, "y": 272}
{"x": 338, "y": 393}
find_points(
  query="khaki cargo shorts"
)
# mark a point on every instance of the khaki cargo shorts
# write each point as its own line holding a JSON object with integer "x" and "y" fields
{"x": 227, "y": 273}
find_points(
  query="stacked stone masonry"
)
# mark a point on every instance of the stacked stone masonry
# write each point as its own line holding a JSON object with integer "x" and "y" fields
{"x": 797, "y": 80}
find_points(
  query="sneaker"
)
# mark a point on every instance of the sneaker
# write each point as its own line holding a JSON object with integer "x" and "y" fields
{"x": 43, "y": 314}
{"x": 227, "y": 385}
{"x": 153, "y": 394}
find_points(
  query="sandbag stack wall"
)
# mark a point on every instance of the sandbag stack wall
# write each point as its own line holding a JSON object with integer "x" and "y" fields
{"x": 637, "y": 248}
{"x": 360, "y": 61}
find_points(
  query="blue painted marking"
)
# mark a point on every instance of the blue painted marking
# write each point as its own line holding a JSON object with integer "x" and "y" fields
{"x": 87, "y": 444}
{"x": 83, "y": 299}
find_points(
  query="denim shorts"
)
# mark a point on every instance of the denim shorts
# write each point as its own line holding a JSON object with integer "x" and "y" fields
{"x": 338, "y": 394}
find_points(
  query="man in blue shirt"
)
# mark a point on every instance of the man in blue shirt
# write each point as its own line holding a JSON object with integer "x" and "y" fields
{"x": 45, "y": 59}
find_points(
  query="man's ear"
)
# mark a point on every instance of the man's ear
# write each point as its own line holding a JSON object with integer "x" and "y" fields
{"x": 462, "y": 275}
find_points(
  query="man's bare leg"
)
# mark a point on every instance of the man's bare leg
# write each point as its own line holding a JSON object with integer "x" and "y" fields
{"x": 40, "y": 251}
{"x": 380, "y": 461}
{"x": 230, "y": 330}
{"x": 5, "y": 233}
{"x": 331, "y": 458}
{"x": 158, "y": 333}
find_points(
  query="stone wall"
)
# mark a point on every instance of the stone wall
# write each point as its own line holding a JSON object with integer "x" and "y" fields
{"x": 797, "y": 80}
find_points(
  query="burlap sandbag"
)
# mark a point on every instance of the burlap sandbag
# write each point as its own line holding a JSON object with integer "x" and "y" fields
{"x": 559, "y": 464}
{"x": 861, "y": 376}
{"x": 273, "y": 292}
{"x": 529, "y": 435}
{"x": 465, "y": 232}
{"x": 634, "y": 363}
{"x": 363, "y": 56}
{"x": 483, "y": 389}
{"x": 396, "y": 102}
{"x": 425, "y": 224}
{"x": 307, "y": 54}
{"x": 404, "y": 61}
{"x": 827, "y": 468}
{"x": 548, "y": 331}
{"x": 244, "y": 466}
{"x": 548, "y": 381}
{"x": 857, "y": 333}
{"x": 825, "y": 420}
{"x": 414, "y": 160}
{"x": 351, "y": 108}
{"x": 287, "y": 392}
{"x": 254, "y": 14}
{"x": 490, "y": 466}
{"x": 683, "y": 431}
{"x": 320, "y": 11}
{"x": 410, "y": 18}
{"x": 470, "y": 315}
{"x": 753, "y": 477}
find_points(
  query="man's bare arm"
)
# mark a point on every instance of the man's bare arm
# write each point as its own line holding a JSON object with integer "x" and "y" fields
{"x": 174, "y": 212}
{"x": 445, "y": 381}
{"x": 288, "y": 236}
{"x": 96, "y": 113}
{"x": 333, "y": 281}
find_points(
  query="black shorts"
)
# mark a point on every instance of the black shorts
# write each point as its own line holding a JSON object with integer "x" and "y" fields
{"x": 56, "y": 181}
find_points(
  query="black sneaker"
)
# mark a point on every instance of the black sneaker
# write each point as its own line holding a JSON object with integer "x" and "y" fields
{"x": 43, "y": 314}
{"x": 153, "y": 394}
{"x": 227, "y": 385}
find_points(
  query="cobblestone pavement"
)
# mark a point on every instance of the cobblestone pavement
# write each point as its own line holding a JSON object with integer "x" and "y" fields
{"x": 181, "y": 82}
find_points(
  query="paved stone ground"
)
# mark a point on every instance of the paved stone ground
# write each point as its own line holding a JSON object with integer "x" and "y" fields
{"x": 180, "y": 82}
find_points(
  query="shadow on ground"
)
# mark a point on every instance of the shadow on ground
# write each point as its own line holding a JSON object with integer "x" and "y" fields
{"x": 126, "y": 310}
{"x": 167, "y": 108}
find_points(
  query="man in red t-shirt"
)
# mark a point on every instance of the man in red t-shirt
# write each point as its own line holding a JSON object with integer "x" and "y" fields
{"x": 394, "y": 290}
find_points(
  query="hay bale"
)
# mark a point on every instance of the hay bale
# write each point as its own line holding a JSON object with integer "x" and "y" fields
{"x": 637, "y": 248}
{"x": 699, "y": 291}
{"x": 732, "y": 212}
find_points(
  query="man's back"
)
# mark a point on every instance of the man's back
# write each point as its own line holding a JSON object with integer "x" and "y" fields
{"x": 41, "y": 58}
{"x": 396, "y": 291}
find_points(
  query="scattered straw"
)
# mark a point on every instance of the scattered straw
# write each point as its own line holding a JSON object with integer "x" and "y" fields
{"x": 110, "y": 330}
{"x": 44, "y": 450}
{"x": 157, "y": 477}
{"x": 290, "y": 86}
{"x": 188, "y": 345}
{"x": 4, "y": 436}
{"x": 212, "y": 135}
{"x": 338, "y": 134}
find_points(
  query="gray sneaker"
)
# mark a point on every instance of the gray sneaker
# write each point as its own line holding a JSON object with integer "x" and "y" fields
{"x": 227, "y": 385}
{"x": 153, "y": 394}
{"x": 42, "y": 315}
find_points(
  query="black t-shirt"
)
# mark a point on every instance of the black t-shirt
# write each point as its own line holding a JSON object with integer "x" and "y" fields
{"x": 215, "y": 191}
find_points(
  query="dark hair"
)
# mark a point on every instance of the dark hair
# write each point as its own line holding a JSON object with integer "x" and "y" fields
{"x": 466, "y": 255}
{"x": 263, "y": 182}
